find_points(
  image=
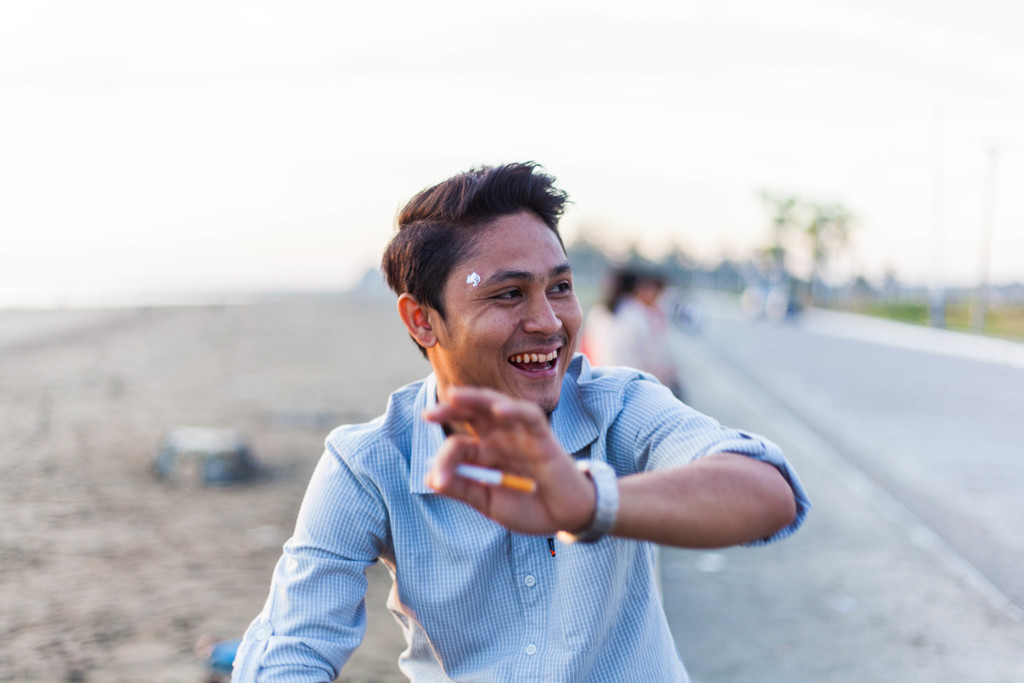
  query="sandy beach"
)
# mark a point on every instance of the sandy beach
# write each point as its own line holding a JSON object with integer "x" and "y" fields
{"x": 110, "y": 574}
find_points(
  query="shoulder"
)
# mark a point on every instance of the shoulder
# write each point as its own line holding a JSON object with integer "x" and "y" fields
{"x": 357, "y": 444}
{"x": 604, "y": 379}
{"x": 628, "y": 412}
{"x": 605, "y": 391}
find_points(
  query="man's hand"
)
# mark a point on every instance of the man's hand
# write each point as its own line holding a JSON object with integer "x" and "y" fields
{"x": 494, "y": 430}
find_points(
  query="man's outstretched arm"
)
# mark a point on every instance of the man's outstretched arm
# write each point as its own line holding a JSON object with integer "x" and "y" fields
{"x": 718, "y": 500}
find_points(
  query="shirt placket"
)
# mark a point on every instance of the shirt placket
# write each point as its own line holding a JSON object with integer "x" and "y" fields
{"x": 532, "y": 569}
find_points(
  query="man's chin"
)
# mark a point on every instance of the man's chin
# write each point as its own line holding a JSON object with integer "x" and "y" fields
{"x": 547, "y": 400}
{"x": 545, "y": 394}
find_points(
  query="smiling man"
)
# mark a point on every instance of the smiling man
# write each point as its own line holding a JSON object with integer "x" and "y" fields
{"x": 494, "y": 583}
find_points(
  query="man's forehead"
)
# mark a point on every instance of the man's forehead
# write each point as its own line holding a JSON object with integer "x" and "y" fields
{"x": 515, "y": 247}
{"x": 497, "y": 249}
{"x": 515, "y": 274}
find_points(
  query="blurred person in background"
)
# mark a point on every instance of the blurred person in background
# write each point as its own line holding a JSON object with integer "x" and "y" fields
{"x": 551, "y": 581}
{"x": 596, "y": 337}
{"x": 630, "y": 328}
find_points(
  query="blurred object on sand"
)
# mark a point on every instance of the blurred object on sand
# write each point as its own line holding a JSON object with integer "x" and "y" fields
{"x": 204, "y": 456}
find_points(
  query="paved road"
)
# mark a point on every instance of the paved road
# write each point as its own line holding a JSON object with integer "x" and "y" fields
{"x": 909, "y": 566}
{"x": 944, "y": 435}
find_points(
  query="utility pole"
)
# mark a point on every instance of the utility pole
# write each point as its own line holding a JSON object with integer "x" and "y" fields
{"x": 980, "y": 303}
{"x": 937, "y": 291}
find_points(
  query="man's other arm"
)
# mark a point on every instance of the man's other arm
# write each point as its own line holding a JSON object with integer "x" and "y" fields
{"x": 719, "y": 499}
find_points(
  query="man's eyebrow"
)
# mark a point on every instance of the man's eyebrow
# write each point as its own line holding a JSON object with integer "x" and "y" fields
{"x": 506, "y": 275}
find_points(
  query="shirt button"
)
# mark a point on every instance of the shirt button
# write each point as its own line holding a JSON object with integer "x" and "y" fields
{"x": 261, "y": 634}
{"x": 530, "y": 580}
{"x": 531, "y": 649}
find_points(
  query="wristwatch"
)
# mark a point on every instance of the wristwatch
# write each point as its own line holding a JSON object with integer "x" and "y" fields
{"x": 606, "y": 490}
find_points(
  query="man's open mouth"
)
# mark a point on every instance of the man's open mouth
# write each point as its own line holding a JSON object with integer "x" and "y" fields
{"x": 534, "y": 362}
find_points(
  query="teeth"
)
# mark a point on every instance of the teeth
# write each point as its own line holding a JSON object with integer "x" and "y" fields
{"x": 534, "y": 357}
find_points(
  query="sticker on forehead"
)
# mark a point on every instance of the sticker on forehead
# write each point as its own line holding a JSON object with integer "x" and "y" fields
{"x": 473, "y": 279}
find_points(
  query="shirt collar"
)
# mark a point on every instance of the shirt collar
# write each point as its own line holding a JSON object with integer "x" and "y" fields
{"x": 427, "y": 437}
{"x": 573, "y": 426}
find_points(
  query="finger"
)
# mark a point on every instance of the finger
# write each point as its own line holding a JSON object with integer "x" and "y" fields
{"x": 485, "y": 409}
{"x": 455, "y": 449}
{"x": 496, "y": 404}
{"x": 463, "y": 403}
{"x": 462, "y": 420}
{"x": 442, "y": 477}
{"x": 449, "y": 414}
{"x": 472, "y": 493}
{"x": 523, "y": 413}
{"x": 478, "y": 394}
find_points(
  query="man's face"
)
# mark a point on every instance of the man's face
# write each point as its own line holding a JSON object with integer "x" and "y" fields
{"x": 512, "y": 317}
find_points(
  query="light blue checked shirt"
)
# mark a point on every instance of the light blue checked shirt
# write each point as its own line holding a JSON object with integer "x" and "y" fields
{"x": 476, "y": 601}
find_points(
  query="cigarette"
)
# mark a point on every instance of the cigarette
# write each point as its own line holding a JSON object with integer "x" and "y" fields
{"x": 486, "y": 475}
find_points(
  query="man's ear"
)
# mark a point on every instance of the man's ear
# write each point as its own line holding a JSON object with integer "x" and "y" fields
{"x": 417, "y": 319}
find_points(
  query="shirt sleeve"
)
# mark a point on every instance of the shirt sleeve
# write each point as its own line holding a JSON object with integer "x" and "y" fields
{"x": 315, "y": 615}
{"x": 662, "y": 433}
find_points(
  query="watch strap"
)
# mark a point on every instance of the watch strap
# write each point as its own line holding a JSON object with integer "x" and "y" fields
{"x": 606, "y": 507}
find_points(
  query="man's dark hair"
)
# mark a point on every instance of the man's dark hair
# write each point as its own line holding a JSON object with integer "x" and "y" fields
{"x": 438, "y": 228}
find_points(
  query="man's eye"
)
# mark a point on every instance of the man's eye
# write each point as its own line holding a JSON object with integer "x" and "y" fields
{"x": 562, "y": 288}
{"x": 511, "y": 294}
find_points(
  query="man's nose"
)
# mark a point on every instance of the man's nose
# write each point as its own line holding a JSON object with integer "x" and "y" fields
{"x": 541, "y": 317}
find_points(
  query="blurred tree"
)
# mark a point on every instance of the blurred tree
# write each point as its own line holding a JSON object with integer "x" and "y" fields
{"x": 728, "y": 276}
{"x": 863, "y": 292}
{"x": 824, "y": 229}
{"x": 785, "y": 219}
{"x": 678, "y": 266}
{"x": 589, "y": 261}
{"x": 891, "y": 286}
{"x": 829, "y": 232}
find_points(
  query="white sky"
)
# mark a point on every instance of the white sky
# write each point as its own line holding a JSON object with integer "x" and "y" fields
{"x": 157, "y": 145}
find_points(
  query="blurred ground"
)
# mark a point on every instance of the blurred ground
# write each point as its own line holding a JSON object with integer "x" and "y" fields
{"x": 107, "y": 574}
